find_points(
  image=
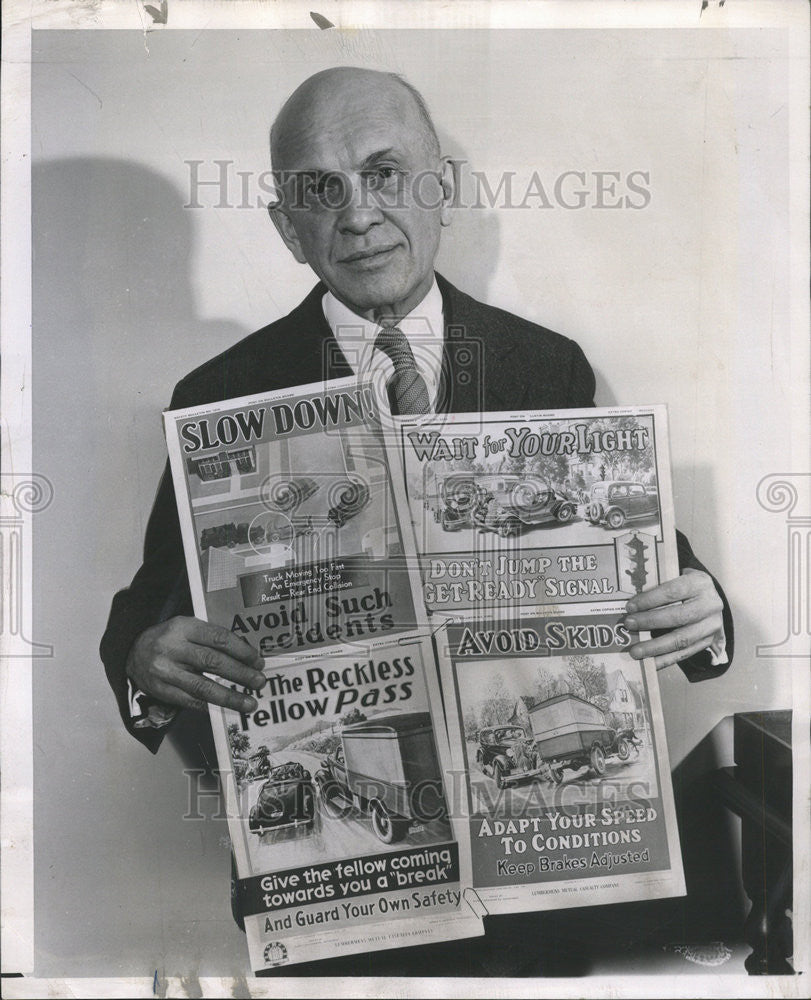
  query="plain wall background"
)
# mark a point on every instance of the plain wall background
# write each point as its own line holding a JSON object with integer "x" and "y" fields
{"x": 685, "y": 302}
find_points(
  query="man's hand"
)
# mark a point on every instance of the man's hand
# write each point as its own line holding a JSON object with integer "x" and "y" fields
{"x": 167, "y": 661}
{"x": 688, "y": 606}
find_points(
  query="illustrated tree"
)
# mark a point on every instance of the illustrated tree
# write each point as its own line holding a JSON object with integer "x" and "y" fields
{"x": 634, "y": 463}
{"x": 355, "y": 715}
{"x": 553, "y": 468}
{"x": 417, "y": 486}
{"x": 638, "y": 465}
{"x": 239, "y": 741}
{"x": 515, "y": 465}
{"x": 550, "y": 468}
{"x": 240, "y": 745}
{"x": 546, "y": 686}
{"x": 464, "y": 464}
{"x": 610, "y": 459}
{"x": 587, "y": 679}
{"x": 497, "y": 705}
{"x": 471, "y": 724}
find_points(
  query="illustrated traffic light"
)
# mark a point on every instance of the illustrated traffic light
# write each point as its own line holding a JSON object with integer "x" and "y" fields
{"x": 638, "y": 572}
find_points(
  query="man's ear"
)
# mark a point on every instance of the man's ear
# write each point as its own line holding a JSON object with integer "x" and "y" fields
{"x": 285, "y": 228}
{"x": 447, "y": 180}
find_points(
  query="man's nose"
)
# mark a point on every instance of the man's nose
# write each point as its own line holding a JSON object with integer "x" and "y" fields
{"x": 361, "y": 210}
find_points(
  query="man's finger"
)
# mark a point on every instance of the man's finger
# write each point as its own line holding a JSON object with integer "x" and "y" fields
{"x": 171, "y": 695}
{"x": 220, "y": 638}
{"x": 674, "y": 615}
{"x": 689, "y": 584}
{"x": 204, "y": 659}
{"x": 204, "y": 689}
{"x": 668, "y": 659}
{"x": 677, "y": 641}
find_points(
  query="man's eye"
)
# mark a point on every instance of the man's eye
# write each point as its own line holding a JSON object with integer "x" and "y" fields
{"x": 381, "y": 177}
{"x": 331, "y": 190}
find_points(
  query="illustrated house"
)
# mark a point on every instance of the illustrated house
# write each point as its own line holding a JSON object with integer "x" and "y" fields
{"x": 228, "y": 475}
{"x": 621, "y": 700}
{"x": 626, "y": 705}
{"x": 238, "y": 461}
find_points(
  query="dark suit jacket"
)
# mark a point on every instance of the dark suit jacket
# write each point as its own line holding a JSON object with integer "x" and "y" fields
{"x": 493, "y": 361}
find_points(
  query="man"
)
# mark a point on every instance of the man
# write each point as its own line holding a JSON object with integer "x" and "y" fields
{"x": 365, "y": 194}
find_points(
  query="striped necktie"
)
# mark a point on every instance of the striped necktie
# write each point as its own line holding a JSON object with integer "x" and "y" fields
{"x": 406, "y": 387}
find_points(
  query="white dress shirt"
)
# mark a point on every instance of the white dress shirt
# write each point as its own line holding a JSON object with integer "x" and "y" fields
{"x": 423, "y": 326}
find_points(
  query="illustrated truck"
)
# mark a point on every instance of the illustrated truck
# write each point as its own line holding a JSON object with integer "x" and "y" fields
{"x": 571, "y": 732}
{"x": 385, "y": 768}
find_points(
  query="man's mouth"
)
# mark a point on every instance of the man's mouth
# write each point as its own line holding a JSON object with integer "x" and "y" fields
{"x": 370, "y": 253}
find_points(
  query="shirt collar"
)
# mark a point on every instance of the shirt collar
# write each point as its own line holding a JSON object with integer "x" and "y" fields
{"x": 423, "y": 326}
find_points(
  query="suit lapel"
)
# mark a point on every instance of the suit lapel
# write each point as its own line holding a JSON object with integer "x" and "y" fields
{"x": 313, "y": 354}
{"x": 476, "y": 375}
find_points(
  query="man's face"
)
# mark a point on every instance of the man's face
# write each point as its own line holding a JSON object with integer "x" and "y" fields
{"x": 367, "y": 195}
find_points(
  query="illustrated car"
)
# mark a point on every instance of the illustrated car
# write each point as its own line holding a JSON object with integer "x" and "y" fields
{"x": 504, "y": 503}
{"x": 287, "y": 494}
{"x": 266, "y": 528}
{"x": 614, "y": 502}
{"x": 455, "y": 513}
{"x": 385, "y": 768}
{"x": 524, "y": 508}
{"x": 224, "y": 536}
{"x": 286, "y": 799}
{"x": 258, "y": 765}
{"x": 350, "y": 499}
{"x": 570, "y": 732}
{"x": 507, "y": 754}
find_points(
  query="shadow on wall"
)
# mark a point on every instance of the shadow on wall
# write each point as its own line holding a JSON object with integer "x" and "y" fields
{"x": 113, "y": 293}
{"x": 115, "y": 326}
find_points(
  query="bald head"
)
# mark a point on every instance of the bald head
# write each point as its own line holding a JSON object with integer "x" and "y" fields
{"x": 322, "y": 100}
{"x": 363, "y": 191}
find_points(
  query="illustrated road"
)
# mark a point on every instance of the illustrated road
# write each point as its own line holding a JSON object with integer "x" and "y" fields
{"x": 578, "y": 531}
{"x": 519, "y": 798}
